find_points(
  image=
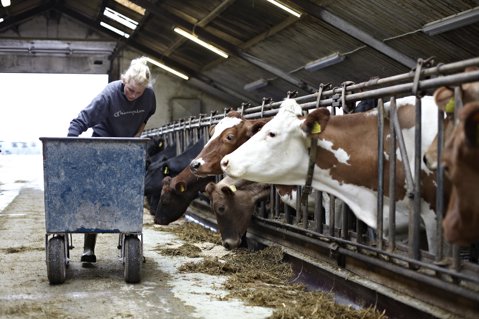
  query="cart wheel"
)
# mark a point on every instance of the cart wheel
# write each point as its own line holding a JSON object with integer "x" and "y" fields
{"x": 132, "y": 259}
{"x": 56, "y": 260}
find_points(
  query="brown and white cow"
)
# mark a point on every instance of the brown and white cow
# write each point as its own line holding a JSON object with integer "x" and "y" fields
{"x": 346, "y": 161}
{"x": 227, "y": 135}
{"x": 461, "y": 153}
{"x": 233, "y": 203}
{"x": 445, "y": 101}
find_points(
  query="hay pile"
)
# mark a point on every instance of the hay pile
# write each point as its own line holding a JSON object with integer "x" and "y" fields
{"x": 262, "y": 278}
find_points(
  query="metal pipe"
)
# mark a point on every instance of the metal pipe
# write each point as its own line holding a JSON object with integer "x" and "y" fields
{"x": 380, "y": 201}
{"x": 325, "y": 241}
{"x": 392, "y": 184}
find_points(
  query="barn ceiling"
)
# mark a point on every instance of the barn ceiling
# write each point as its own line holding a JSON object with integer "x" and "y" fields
{"x": 270, "y": 51}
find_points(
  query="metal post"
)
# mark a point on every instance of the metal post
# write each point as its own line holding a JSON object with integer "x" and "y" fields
{"x": 380, "y": 200}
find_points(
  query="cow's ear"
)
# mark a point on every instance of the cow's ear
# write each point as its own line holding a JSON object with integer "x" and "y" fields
{"x": 471, "y": 125}
{"x": 255, "y": 127}
{"x": 444, "y": 98}
{"x": 228, "y": 190}
{"x": 315, "y": 122}
{"x": 210, "y": 187}
{"x": 180, "y": 187}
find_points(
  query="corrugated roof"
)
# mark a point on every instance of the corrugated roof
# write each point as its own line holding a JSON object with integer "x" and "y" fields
{"x": 378, "y": 38}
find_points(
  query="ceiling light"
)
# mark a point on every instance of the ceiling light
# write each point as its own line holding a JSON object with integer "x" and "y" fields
{"x": 112, "y": 28}
{"x": 194, "y": 38}
{"x": 256, "y": 85}
{"x": 285, "y": 8}
{"x": 452, "y": 22}
{"x": 1, "y": 20}
{"x": 6, "y": 3}
{"x": 167, "y": 68}
{"x": 324, "y": 62}
{"x": 120, "y": 18}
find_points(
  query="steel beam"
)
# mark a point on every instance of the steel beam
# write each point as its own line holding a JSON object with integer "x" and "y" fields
{"x": 335, "y": 21}
{"x": 205, "y": 35}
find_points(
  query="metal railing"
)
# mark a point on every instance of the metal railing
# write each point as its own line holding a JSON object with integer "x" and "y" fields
{"x": 450, "y": 268}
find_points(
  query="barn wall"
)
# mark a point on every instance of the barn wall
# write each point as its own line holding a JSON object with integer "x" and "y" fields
{"x": 168, "y": 88}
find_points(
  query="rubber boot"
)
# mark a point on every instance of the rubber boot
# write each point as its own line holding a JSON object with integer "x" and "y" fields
{"x": 88, "y": 255}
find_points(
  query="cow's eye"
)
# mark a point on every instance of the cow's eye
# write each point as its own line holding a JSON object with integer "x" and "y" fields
{"x": 446, "y": 169}
{"x": 221, "y": 209}
{"x": 271, "y": 134}
{"x": 230, "y": 137}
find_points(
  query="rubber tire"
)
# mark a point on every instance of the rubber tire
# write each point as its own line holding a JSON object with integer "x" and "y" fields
{"x": 56, "y": 261}
{"x": 133, "y": 260}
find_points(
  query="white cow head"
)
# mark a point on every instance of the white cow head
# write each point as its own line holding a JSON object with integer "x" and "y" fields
{"x": 276, "y": 154}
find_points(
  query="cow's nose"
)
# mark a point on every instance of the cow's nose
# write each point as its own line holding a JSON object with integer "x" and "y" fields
{"x": 194, "y": 165}
{"x": 230, "y": 243}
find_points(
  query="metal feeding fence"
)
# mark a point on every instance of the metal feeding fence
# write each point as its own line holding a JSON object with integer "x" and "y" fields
{"x": 447, "y": 278}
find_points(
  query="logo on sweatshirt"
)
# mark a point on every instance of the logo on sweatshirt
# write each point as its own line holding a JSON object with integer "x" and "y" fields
{"x": 133, "y": 112}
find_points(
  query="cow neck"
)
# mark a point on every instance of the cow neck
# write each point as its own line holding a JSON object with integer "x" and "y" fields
{"x": 307, "y": 188}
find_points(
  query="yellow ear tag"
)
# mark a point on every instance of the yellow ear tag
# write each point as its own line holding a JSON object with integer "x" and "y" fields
{"x": 182, "y": 188}
{"x": 450, "y": 106}
{"x": 160, "y": 144}
{"x": 165, "y": 170}
{"x": 316, "y": 128}
{"x": 233, "y": 188}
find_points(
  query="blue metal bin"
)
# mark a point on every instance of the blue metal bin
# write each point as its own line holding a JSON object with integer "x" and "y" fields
{"x": 94, "y": 185}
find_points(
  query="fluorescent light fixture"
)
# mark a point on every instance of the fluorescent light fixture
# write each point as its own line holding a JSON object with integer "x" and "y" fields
{"x": 1, "y": 20}
{"x": 194, "y": 38}
{"x": 452, "y": 22}
{"x": 167, "y": 68}
{"x": 285, "y": 8}
{"x": 120, "y": 18}
{"x": 112, "y": 28}
{"x": 6, "y": 3}
{"x": 256, "y": 85}
{"x": 324, "y": 62}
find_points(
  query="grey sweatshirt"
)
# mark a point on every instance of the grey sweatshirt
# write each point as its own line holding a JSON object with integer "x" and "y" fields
{"x": 110, "y": 114}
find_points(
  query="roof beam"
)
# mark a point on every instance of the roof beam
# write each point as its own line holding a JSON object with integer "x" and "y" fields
{"x": 202, "y": 23}
{"x": 215, "y": 89}
{"x": 335, "y": 21}
{"x": 228, "y": 46}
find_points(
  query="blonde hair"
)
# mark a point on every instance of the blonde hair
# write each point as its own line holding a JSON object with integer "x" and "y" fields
{"x": 139, "y": 72}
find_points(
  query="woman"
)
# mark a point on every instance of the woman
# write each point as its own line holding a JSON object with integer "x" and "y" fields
{"x": 122, "y": 109}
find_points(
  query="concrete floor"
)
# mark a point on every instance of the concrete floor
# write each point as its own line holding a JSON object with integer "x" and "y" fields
{"x": 98, "y": 290}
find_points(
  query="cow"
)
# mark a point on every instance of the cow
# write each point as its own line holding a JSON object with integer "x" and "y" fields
{"x": 177, "y": 193}
{"x": 228, "y": 135}
{"x": 461, "y": 153}
{"x": 445, "y": 101}
{"x": 345, "y": 163}
{"x": 233, "y": 204}
{"x": 461, "y": 150}
{"x": 231, "y": 131}
{"x": 462, "y": 216}
{"x": 170, "y": 167}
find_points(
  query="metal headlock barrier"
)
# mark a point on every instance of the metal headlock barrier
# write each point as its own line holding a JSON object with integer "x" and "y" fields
{"x": 447, "y": 278}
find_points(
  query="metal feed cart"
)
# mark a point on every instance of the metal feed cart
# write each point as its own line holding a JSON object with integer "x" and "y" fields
{"x": 93, "y": 185}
